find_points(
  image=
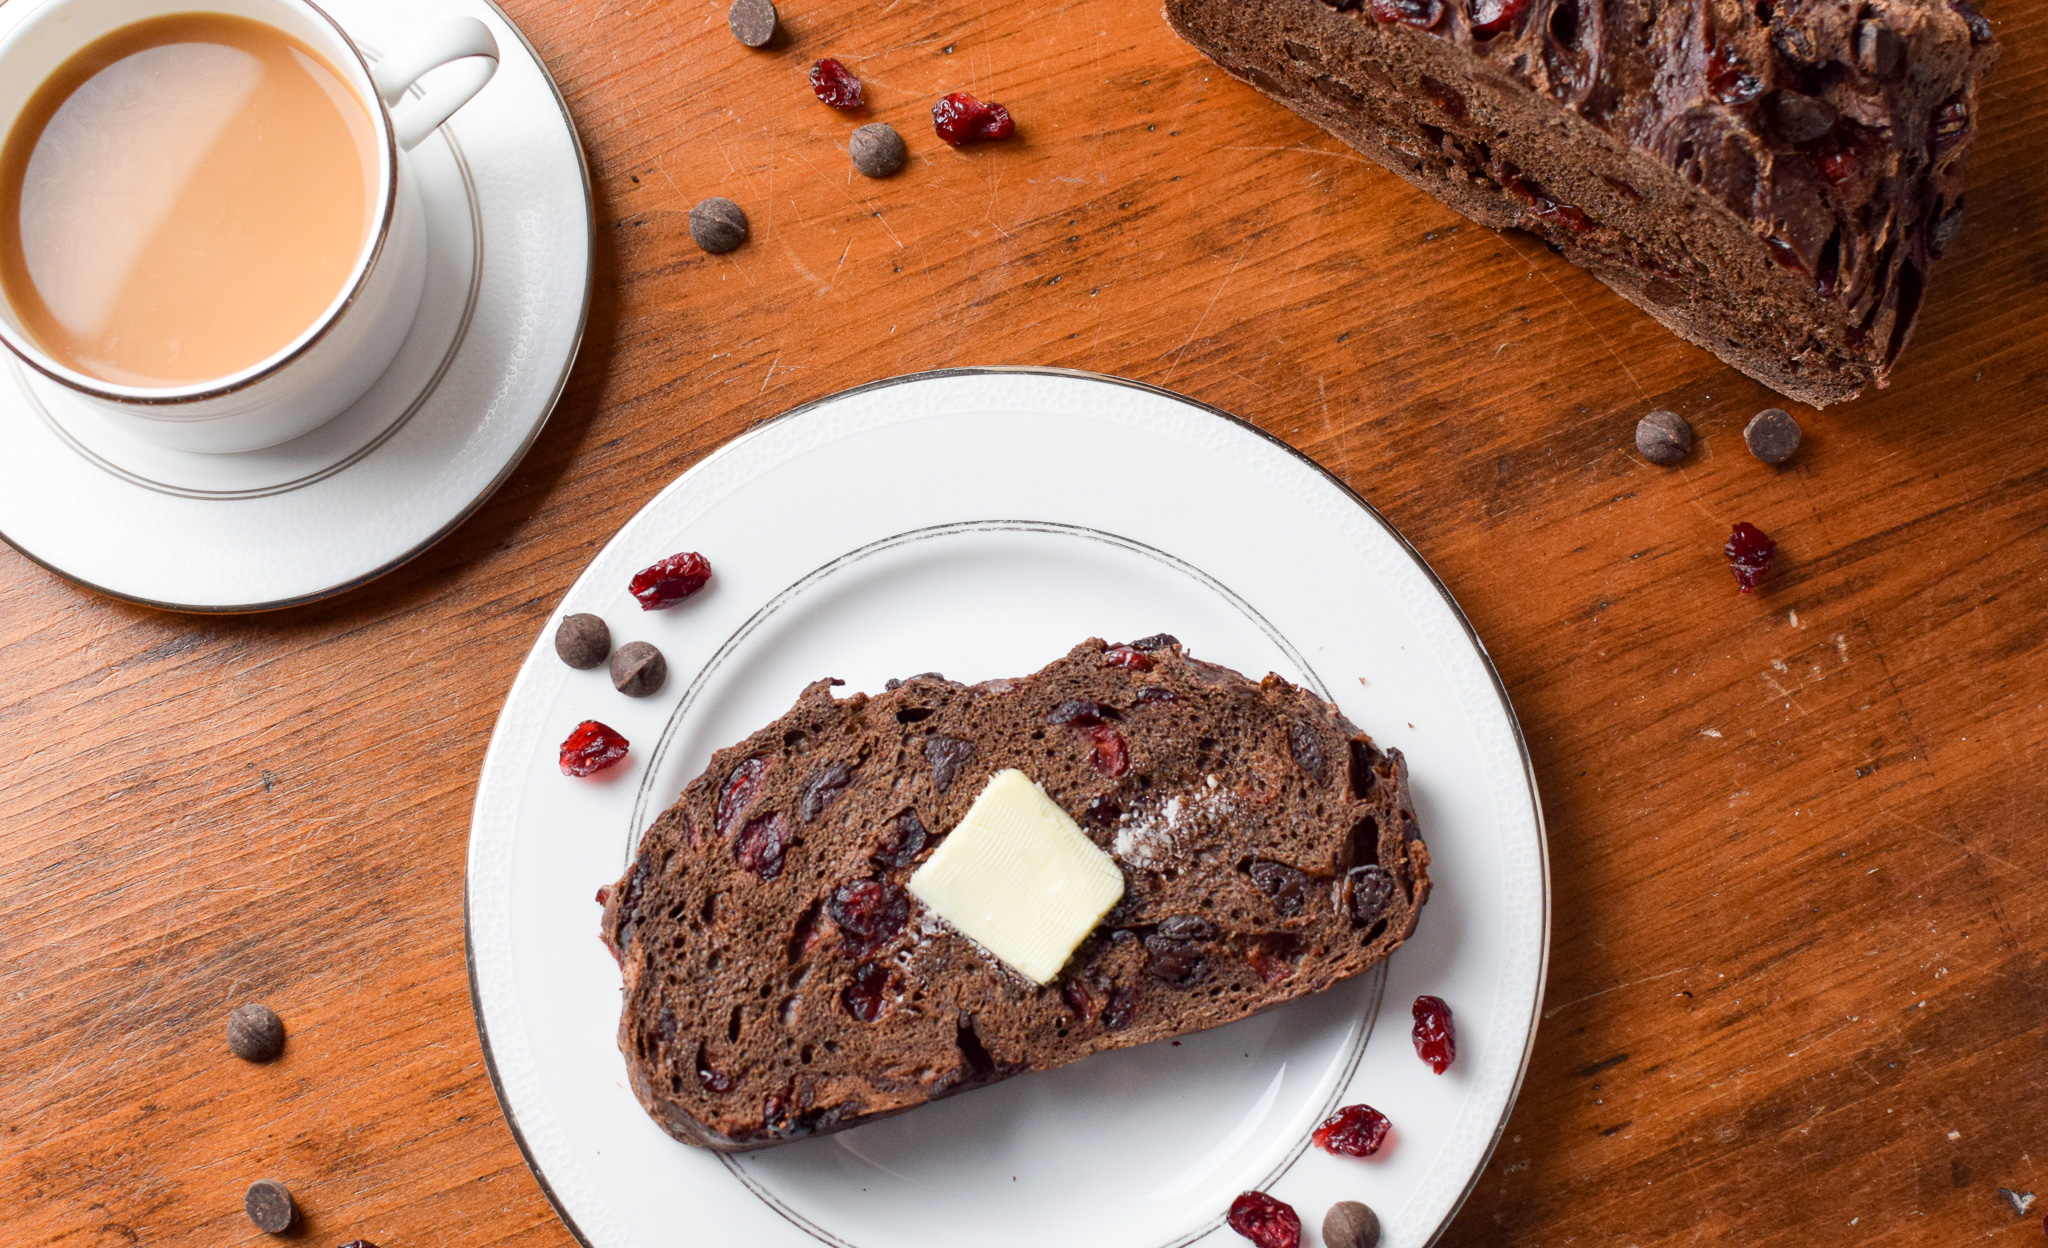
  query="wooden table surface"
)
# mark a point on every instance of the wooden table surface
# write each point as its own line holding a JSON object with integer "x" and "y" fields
{"x": 1798, "y": 992}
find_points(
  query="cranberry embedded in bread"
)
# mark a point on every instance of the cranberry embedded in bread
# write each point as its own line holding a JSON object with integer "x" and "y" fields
{"x": 780, "y": 981}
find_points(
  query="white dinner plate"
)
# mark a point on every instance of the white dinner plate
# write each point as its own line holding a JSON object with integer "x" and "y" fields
{"x": 980, "y": 522}
{"x": 509, "y": 231}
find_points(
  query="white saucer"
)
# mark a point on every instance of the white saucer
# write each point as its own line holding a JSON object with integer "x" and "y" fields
{"x": 1035, "y": 509}
{"x": 508, "y": 286}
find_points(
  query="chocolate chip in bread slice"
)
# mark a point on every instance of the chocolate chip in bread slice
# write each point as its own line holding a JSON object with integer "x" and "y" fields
{"x": 781, "y": 980}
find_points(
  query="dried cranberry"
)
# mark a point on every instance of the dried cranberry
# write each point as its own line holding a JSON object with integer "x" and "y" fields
{"x": 1436, "y": 1041}
{"x": 591, "y": 748}
{"x": 1267, "y": 1222}
{"x": 1353, "y": 1131}
{"x": 1841, "y": 167}
{"x": 1079, "y": 713}
{"x": 1111, "y": 757}
{"x": 1951, "y": 121}
{"x": 1781, "y": 251}
{"x": 1750, "y": 551}
{"x": 1122, "y": 1009}
{"x": 904, "y": 842}
{"x": 835, "y": 85}
{"x": 1274, "y": 957}
{"x": 1102, "y": 811}
{"x": 1081, "y": 1001}
{"x": 736, "y": 794}
{"x": 960, "y": 118}
{"x": 1490, "y": 17}
{"x": 761, "y": 843}
{"x": 869, "y": 915}
{"x": 1285, "y": 885}
{"x": 775, "y": 1109}
{"x": 1729, "y": 79}
{"x": 1127, "y": 656}
{"x": 867, "y": 997}
{"x": 667, "y": 583}
{"x": 1420, "y": 13}
{"x": 1569, "y": 217}
{"x": 1271, "y": 970}
{"x": 604, "y": 893}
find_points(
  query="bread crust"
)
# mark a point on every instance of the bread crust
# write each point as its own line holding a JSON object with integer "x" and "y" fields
{"x": 1776, "y": 189}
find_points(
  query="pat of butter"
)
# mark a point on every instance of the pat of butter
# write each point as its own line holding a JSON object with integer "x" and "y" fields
{"x": 1020, "y": 878}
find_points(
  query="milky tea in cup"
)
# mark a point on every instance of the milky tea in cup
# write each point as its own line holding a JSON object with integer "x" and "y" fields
{"x": 183, "y": 198}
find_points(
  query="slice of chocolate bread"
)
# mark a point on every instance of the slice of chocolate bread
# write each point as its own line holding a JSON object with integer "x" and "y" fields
{"x": 1772, "y": 179}
{"x": 780, "y": 981}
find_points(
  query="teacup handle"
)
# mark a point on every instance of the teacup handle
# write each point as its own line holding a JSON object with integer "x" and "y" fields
{"x": 456, "y": 39}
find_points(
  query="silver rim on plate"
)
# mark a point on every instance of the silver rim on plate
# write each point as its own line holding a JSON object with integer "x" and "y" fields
{"x": 1450, "y": 603}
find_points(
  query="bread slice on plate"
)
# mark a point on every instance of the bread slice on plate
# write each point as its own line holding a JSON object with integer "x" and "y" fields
{"x": 782, "y": 980}
{"x": 1772, "y": 179}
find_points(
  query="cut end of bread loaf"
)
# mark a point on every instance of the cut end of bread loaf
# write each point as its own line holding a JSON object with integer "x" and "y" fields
{"x": 1773, "y": 181}
{"x": 781, "y": 981}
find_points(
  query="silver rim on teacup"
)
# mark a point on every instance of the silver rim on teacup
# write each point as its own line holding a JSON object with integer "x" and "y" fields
{"x": 317, "y": 375}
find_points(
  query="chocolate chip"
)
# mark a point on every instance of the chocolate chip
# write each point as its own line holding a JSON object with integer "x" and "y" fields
{"x": 946, "y": 756}
{"x": 752, "y": 22}
{"x": 1366, "y": 892}
{"x": 1980, "y": 27}
{"x": 1800, "y": 118}
{"x": 1879, "y": 50}
{"x": 1175, "y": 961}
{"x": 877, "y": 150}
{"x": 255, "y": 1033}
{"x": 582, "y": 641}
{"x": 1349, "y": 1224}
{"x": 638, "y": 670}
{"x": 1285, "y": 885}
{"x": 1663, "y": 438}
{"x": 269, "y": 1205}
{"x": 821, "y": 788}
{"x": 1772, "y": 435}
{"x": 1157, "y": 641}
{"x": 718, "y": 225}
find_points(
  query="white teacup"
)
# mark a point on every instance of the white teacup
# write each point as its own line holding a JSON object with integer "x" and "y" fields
{"x": 326, "y": 368}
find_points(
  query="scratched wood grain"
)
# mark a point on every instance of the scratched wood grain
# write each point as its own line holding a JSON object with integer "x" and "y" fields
{"x": 1798, "y": 992}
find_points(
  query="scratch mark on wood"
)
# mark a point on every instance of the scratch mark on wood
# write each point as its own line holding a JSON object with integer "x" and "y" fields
{"x": 1554, "y": 1011}
{"x": 1221, "y": 286}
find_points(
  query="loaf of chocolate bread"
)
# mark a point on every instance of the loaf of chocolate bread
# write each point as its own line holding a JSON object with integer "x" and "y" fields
{"x": 781, "y": 981}
{"x": 1772, "y": 179}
